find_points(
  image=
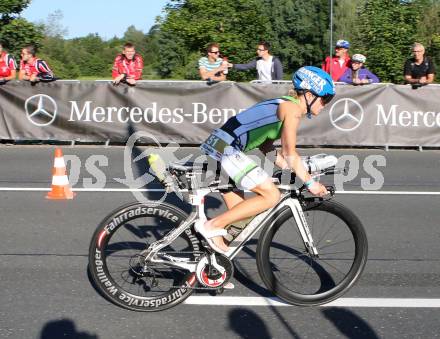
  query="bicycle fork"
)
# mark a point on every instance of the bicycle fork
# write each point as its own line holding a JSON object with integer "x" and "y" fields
{"x": 303, "y": 226}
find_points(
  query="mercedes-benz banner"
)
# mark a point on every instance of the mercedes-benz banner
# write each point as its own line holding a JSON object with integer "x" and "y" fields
{"x": 186, "y": 112}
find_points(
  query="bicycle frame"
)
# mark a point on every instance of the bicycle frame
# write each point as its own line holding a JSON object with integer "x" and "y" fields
{"x": 196, "y": 199}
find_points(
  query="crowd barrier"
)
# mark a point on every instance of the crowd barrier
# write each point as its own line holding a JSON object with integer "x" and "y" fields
{"x": 186, "y": 112}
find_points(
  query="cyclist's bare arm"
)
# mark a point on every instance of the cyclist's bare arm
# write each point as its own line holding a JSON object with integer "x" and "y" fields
{"x": 290, "y": 114}
{"x": 268, "y": 147}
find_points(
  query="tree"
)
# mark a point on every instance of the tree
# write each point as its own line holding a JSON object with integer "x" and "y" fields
{"x": 387, "y": 30}
{"x": 10, "y": 8}
{"x": 189, "y": 25}
{"x": 428, "y": 28}
{"x": 298, "y": 31}
{"x": 137, "y": 37}
{"x": 346, "y": 21}
{"x": 52, "y": 25}
{"x": 16, "y": 32}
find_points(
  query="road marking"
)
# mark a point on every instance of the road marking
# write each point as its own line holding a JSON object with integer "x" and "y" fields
{"x": 342, "y": 302}
{"x": 109, "y": 190}
{"x": 387, "y": 193}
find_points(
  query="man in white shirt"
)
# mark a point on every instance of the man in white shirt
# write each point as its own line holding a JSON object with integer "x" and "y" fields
{"x": 268, "y": 67}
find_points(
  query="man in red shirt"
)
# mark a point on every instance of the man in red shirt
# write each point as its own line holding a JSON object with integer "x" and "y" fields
{"x": 337, "y": 65}
{"x": 8, "y": 66}
{"x": 33, "y": 68}
{"x": 127, "y": 66}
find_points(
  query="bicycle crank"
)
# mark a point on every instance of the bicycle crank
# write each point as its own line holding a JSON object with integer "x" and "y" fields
{"x": 214, "y": 270}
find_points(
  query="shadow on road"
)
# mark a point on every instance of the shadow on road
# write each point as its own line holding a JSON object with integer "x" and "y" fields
{"x": 247, "y": 324}
{"x": 64, "y": 328}
{"x": 248, "y": 277}
{"x": 349, "y": 324}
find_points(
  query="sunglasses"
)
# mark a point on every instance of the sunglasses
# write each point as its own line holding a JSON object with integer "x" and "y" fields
{"x": 327, "y": 98}
{"x": 216, "y": 52}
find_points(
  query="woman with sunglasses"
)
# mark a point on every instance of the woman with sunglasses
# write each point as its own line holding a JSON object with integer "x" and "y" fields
{"x": 258, "y": 127}
{"x": 211, "y": 67}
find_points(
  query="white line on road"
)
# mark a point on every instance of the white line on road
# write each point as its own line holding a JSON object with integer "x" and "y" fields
{"x": 109, "y": 190}
{"x": 342, "y": 302}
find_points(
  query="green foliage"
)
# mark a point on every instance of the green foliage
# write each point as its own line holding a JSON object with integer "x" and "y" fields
{"x": 9, "y": 8}
{"x": 387, "y": 30}
{"x": 298, "y": 31}
{"x": 346, "y": 21}
{"x": 428, "y": 28}
{"x": 384, "y": 31}
{"x": 189, "y": 26}
{"x": 18, "y": 33}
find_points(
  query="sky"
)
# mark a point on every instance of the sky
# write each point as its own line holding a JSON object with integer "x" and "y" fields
{"x": 105, "y": 17}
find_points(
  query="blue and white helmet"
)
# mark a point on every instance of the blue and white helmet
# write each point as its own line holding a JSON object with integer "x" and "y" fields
{"x": 343, "y": 44}
{"x": 314, "y": 80}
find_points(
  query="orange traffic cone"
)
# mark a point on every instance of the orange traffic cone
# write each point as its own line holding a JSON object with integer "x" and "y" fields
{"x": 60, "y": 181}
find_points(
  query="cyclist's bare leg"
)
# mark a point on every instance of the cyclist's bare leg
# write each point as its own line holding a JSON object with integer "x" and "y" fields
{"x": 233, "y": 198}
{"x": 267, "y": 196}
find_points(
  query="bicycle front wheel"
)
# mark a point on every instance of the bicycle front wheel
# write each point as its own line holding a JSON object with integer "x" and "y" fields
{"x": 116, "y": 259}
{"x": 300, "y": 278}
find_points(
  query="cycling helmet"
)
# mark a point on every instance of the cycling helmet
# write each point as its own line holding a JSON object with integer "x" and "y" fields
{"x": 316, "y": 81}
{"x": 358, "y": 58}
{"x": 343, "y": 44}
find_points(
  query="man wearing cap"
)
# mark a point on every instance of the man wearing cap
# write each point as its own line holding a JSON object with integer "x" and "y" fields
{"x": 357, "y": 74}
{"x": 337, "y": 65}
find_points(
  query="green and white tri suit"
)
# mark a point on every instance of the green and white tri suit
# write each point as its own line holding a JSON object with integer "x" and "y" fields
{"x": 242, "y": 133}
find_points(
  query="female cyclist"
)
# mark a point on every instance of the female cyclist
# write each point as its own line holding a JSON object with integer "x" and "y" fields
{"x": 258, "y": 127}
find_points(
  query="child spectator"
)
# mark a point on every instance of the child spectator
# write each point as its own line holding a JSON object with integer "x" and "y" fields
{"x": 357, "y": 74}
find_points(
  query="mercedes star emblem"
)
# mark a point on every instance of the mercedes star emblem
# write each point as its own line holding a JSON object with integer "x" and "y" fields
{"x": 351, "y": 117}
{"x": 41, "y": 109}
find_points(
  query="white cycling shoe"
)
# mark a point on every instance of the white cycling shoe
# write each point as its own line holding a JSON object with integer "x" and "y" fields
{"x": 199, "y": 226}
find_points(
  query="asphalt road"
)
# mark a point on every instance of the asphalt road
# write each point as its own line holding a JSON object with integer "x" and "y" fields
{"x": 45, "y": 291}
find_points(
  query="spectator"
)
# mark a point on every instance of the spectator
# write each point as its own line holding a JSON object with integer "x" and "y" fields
{"x": 127, "y": 66}
{"x": 212, "y": 68}
{"x": 33, "y": 68}
{"x": 268, "y": 66}
{"x": 337, "y": 65}
{"x": 420, "y": 69}
{"x": 357, "y": 74}
{"x": 8, "y": 66}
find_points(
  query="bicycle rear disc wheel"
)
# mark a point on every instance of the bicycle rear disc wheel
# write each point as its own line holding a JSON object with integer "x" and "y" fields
{"x": 292, "y": 273}
{"x": 116, "y": 263}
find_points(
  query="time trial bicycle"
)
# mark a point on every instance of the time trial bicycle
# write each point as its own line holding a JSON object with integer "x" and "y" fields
{"x": 148, "y": 257}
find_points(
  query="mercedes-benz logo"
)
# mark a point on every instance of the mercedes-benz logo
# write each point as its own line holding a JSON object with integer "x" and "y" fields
{"x": 41, "y": 109}
{"x": 351, "y": 116}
